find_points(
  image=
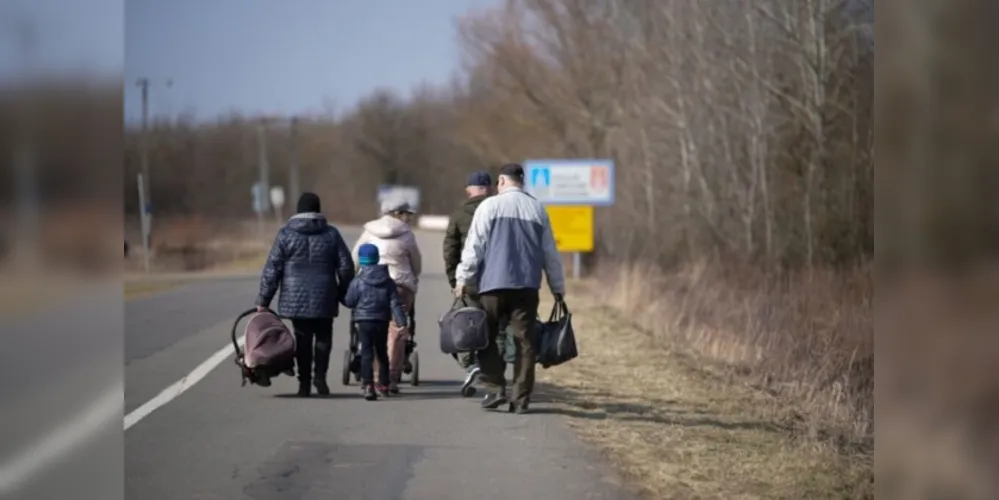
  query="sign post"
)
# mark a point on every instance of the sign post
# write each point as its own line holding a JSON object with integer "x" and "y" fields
{"x": 277, "y": 201}
{"x": 145, "y": 216}
{"x": 570, "y": 189}
{"x": 258, "y": 191}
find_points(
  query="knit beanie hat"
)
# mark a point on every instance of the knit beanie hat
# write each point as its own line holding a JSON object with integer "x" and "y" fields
{"x": 308, "y": 203}
{"x": 367, "y": 255}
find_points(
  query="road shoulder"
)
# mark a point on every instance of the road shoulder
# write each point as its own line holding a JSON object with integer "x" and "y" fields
{"x": 675, "y": 430}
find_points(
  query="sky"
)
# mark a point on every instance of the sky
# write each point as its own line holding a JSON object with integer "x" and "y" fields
{"x": 73, "y": 37}
{"x": 284, "y": 56}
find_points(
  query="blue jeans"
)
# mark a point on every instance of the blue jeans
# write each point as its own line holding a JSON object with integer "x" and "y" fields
{"x": 373, "y": 336}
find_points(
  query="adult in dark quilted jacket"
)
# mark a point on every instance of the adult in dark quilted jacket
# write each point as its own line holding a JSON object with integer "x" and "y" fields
{"x": 311, "y": 265}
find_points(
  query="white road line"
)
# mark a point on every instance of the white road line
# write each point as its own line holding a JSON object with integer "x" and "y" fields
{"x": 178, "y": 387}
{"x": 62, "y": 442}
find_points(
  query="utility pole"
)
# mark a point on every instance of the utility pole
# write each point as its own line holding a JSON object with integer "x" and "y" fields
{"x": 145, "y": 182}
{"x": 293, "y": 181}
{"x": 143, "y": 84}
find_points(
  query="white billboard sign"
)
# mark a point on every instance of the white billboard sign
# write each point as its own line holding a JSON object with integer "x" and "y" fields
{"x": 409, "y": 193}
{"x": 571, "y": 182}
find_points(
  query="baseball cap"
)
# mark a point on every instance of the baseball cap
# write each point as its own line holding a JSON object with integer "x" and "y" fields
{"x": 481, "y": 179}
{"x": 512, "y": 170}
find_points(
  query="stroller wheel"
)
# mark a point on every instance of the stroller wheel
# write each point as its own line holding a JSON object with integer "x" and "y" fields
{"x": 346, "y": 367}
{"x": 415, "y": 376}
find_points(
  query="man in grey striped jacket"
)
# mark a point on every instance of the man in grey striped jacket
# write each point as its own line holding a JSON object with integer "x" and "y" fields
{"x": 509, "y": 244}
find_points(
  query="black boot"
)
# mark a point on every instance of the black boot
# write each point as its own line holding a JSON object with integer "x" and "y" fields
{"x": 304, "y": 389}
{"x": 321, "y": 388}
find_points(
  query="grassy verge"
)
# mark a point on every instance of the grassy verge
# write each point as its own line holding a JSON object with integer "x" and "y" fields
{"x": 678, "y": 431}
{"x": 246, "y": 264}
{"x": 139, "y": 289}
{"x": 18, "y": 298}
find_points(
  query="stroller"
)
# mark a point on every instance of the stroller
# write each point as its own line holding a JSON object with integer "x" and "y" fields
{"x": 268, "y": 349}
{"x": 352, "y": 355}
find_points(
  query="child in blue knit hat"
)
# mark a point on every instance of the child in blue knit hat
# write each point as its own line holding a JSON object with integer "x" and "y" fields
{"x": 373, "y": 296}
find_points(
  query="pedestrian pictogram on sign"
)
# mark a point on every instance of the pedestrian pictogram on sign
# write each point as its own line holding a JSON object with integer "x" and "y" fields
{"x": 541, "y": 174}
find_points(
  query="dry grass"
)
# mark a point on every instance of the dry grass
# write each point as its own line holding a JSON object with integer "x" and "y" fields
{"x": 248, "y": 262}
{"x": 806, "y": 338}
{"x": 938, "y": 385}
{"x": 20, "y": 298}
{"x": 198, "y": 244}
{"x": 23, "y": 292}
{"x": 138, "y": 289}
{"x": 679, "y": 431}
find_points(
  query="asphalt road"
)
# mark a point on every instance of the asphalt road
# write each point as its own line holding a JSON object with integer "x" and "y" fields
{"x": 58, "y": 360}
{"x": 222, "y": 441}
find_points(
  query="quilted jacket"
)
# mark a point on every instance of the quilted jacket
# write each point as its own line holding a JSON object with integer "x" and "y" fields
{"x": 312, "y": 266}
{"x": 373, "y": 296}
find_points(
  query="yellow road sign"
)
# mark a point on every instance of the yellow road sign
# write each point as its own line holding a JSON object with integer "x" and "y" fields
{"x": 573, "y": 227}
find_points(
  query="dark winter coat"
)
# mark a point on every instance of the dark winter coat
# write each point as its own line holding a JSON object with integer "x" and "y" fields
{"x": 373, "y": 296}
{"x": 312, "y": 266}
{"x": 454, "y": 238}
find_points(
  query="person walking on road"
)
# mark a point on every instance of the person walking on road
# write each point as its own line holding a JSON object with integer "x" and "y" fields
{"x": 509, "y": 244}
{"x": 477, "y": 188}
{"x": 398, "y": 250}
{"x": 375, "y": 299}
{"x": 312, "y": 266}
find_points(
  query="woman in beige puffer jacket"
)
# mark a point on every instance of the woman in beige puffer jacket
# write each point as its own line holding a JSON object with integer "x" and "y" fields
{"x": 398, "y": 250}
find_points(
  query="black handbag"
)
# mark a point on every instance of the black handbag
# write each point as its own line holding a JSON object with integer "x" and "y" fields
{"x": 557, "y": 341}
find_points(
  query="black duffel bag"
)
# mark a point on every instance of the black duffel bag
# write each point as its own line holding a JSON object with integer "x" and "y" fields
{"x": 556, "y": 342}
{"x": 464, "y": 328}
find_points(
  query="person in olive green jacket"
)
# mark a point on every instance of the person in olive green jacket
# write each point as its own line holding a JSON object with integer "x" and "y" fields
{"x": 478, "y": 189}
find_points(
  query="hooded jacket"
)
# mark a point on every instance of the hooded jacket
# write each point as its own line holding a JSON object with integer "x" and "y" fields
{"x": 397, "y": 247}
{"x": 457, "y": 231}
{"x": 312, "y": 266}
{"x": 373, "y": 296}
